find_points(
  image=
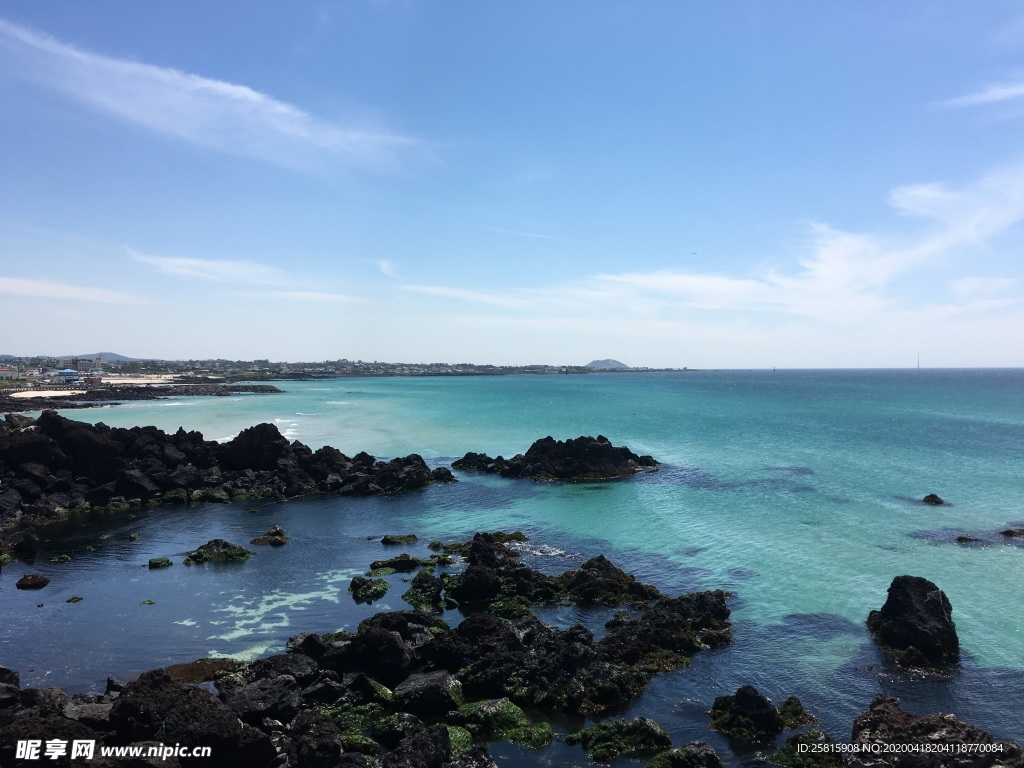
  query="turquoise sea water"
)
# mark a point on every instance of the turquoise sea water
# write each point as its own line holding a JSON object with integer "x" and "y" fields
{"x": 795, "y": 490}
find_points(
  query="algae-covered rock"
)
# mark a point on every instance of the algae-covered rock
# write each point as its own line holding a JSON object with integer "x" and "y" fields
{"x": 793, "y": 713}
{"x": 429, "y": 694}
{"x": 403, "y": 563}
{"x": 622, "y": 738}
{"x": 746, "y": 716}
{"x": 217, "y": 551}
{"x": 367, "y": 590}
{"x": 401, "y": 538}
{"x": 159, "y": 562}
{"x": 502, "y": 719}
{"x": 425, "y": 592}
{"x": 696, "y": 754}
{"x": 60, "y": 559}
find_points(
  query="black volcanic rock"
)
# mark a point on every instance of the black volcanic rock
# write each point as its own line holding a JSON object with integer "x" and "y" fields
{"x": 53, "y": 465}
{"x": 582, "y": 459}
{"x": 32, "y": 581}
{"x": 938, "y": 739}
{"x": 746, "y": 716}
{"x": 916, "y": 623}
{"x": 157, "y": 707}
{"x": 933, "y": 499}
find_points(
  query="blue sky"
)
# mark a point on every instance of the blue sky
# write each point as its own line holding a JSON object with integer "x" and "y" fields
{"x": 741, "y": 184}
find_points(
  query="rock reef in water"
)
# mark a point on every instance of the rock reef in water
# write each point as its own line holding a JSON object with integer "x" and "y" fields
{"x": 51, "y": 466}
{"x": 938, "y": 737}
{"x": 915, "y": 626}
{"x": 581, "y": 459}
{"x": 408, "y": 691}
{"x": 217, "y": 551}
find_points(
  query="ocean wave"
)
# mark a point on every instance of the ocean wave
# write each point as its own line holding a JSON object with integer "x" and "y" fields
{"x": 339, "y": 402}
{"x": 538, "y": 550}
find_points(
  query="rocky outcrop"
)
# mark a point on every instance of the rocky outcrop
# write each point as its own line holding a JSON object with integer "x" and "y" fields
{"x": 622, "y": 738}
{"x": 933, "y": 499}
{"x": 582, "y": 459}
{"x": 939, "y": 737}
{"x": 217, "y": 551}
{"x": 915, "y": 626}
{"x": 52, "y": 466}
{"x": 746, "y": 716}
{"x": 275, "y": 537}
{"x": 32, "y": 581}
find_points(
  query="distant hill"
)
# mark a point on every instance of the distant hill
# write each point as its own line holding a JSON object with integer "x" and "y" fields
{"x": 608, "y": 363}
{"x": 111, "y": 356}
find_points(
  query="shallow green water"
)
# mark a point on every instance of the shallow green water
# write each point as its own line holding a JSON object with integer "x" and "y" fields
{"x": 797, "y": 491}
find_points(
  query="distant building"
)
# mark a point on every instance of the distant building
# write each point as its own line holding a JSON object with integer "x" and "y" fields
{"x": 7, "y": 372}
{"x": 66, "y": 376}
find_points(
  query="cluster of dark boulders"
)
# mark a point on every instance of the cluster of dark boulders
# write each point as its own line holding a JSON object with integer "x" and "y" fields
{"x": 915, "y": 625}
{"x": 885, "y": 723}
{"x": 582, "y": 459}
{"x": 406, "y": 690}
{"x": 748, "y": 716}
{"x": 52, "y": 465}
{"x": 503, "y": 651}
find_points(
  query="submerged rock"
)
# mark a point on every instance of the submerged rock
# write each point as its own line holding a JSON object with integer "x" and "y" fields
{"x": 933, "y": 499}
{"x": 915, "y": 625}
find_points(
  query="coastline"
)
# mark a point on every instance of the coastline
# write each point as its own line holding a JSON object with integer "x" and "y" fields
{"x": 960, "y": 507}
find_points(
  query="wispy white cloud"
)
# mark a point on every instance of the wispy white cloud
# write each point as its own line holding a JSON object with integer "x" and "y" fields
{"x": 46, "y": 289}
{"x": 843, "y": 280}
{"x": 990, "y": 94}
{"x": 211, "y": 113}
{"x": 386, "y": 266}
{"x": 215, "y": 270}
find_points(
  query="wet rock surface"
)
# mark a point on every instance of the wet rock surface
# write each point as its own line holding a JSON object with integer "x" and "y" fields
{"x": 746, "y": 716}
{"x": 581, "y": 459}
{"x": 884, "y": 723}
{"x": 217, "y": 551}
{"x": 915, "y": 625}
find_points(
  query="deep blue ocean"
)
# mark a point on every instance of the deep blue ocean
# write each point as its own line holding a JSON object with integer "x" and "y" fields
{"x": 797, "y": 491}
